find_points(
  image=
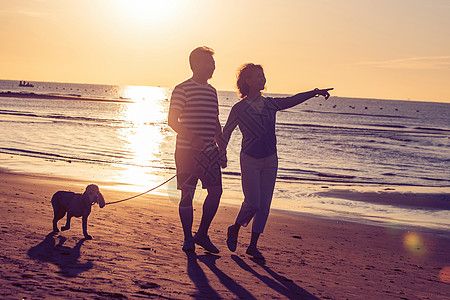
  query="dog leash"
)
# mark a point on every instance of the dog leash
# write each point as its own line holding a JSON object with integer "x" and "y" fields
{"x": 114, "y": 202}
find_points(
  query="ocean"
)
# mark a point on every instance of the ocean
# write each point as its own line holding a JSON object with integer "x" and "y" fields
{"x": 369, "y": 160}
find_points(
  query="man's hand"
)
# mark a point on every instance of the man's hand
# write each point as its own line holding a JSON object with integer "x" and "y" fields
{"x": 223, "y": 161}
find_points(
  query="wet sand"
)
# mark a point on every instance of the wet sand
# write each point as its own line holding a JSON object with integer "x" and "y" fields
{"x": 136, "y": 253}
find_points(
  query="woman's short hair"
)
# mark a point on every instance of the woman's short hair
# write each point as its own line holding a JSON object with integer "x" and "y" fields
{"x": 195, "y": 58}
{"x": 244, "y": 72}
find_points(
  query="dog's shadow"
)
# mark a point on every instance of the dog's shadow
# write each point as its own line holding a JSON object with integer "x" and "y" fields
{"x": 64, "y": 257}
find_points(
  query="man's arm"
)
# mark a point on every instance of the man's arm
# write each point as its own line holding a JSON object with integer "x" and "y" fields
{"x": 220, "y": 143}
{"x": 176, "y": 125}
{"x": 218, "y": 136}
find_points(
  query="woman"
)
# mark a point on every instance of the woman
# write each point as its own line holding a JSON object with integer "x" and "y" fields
{"x": 256, "y": 115}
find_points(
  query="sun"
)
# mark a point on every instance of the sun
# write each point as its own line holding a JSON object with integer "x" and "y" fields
{"x": 148, "y": 11}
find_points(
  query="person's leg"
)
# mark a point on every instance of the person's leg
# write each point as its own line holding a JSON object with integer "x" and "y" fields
{"x": 254, "y": 240}
{"x": 252, "y": 248}
{"x": 267, "y": 186}
{"x": 210, "y": 207}
{"x": 186, "y": 211}
{"x": 211, "y": 178}
{"x": 268, "y": 179}
{"x": 250, "y": 179}
{"x": 186, "y": 182}
{"x": 232, "y": 236}
{"x": 235, "y": 228}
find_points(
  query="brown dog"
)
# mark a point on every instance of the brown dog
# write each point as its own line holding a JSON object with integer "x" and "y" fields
{"x": 75, "y": 205}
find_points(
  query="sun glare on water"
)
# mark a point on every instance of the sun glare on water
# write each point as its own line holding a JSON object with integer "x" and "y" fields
{"x": 148, "y": 104}
{"x": 145, "y": 138}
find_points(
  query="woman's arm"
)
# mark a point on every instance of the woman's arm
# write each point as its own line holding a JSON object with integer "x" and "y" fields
{"x": 288, "y": 102}
{"x": 230, "y": 125}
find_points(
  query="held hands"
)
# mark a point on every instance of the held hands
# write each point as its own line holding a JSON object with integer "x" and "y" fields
{"x": 198, "y": 143}
{"x": 323, "y": 92}
{"x": 223, "y": 161}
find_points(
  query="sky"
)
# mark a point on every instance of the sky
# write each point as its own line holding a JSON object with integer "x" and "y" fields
{"x": 380, "y": 49}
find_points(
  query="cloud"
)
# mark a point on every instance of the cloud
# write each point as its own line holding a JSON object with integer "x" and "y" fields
{"x": 412, "y": 63}
{"x": 33, "y": 9}
{"x": 26, "y": 13}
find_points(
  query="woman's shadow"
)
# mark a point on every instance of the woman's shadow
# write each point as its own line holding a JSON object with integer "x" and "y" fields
{"x": 64, "y": 257}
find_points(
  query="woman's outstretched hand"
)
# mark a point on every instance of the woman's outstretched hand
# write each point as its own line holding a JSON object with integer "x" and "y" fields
{"x": 323, "y": 92}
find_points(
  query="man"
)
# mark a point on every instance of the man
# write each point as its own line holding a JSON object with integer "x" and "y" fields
{"x": 194, "y": 115}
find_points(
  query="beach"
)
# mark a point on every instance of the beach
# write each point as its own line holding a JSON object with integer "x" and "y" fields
{"x": 136, "y": 253}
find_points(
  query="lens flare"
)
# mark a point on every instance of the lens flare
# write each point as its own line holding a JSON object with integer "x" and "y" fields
{"x": 414, "y": 244}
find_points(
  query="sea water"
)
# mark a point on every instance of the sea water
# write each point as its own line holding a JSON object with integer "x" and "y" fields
{"x": 355, "y": 145}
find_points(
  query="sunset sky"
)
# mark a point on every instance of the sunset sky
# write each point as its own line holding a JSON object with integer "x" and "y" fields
{"x": 363, "y": 48}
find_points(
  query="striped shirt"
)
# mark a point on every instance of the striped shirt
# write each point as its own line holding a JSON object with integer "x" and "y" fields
{"x": 199, "y": 111}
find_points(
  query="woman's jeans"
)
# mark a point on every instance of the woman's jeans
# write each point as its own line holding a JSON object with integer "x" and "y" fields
{"x": 258, "y": 182}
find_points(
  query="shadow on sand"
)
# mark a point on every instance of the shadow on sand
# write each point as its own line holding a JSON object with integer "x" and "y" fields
{"x": 64, "y": 257}
{"x": 280, "y": 284}
{"x": 201, "y": 282}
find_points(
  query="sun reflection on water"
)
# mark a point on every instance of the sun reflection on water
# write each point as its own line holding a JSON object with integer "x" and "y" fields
{"x": 147, "y": 106}
{"x": 144, "y": 139}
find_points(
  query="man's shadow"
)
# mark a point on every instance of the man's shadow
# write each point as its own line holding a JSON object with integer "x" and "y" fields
{"x": 279, "y": 283}
{"x": 200, "y": 280}
{"x": 64, "y": 257}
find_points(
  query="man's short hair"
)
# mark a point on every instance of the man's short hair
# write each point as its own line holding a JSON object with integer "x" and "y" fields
{"x": 196, "y": 55}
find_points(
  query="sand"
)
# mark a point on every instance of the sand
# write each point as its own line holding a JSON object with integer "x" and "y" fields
{"x": 136, "y": 253}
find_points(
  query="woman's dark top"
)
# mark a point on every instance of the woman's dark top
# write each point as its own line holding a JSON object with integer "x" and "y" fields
{"x": 257, "y": 128}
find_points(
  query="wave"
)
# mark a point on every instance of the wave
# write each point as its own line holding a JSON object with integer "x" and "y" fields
{"x": 125, "y": 123}
{"x": 308, "y": 175}
{"x": 358, "y": 114}
{"x": 114, "y": 159}
{"x": 433, "y": 129}
{"x": 429, "y": 201}
{"x": 80, "y": 120}
{"x": 59, "y": 117}
{"x": 387, "y": 125}
{"x": 385, "y": 131}
{"x": 439, "y": 130}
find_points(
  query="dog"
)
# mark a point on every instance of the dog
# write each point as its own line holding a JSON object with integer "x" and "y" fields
{"x": 76, "y": 205}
